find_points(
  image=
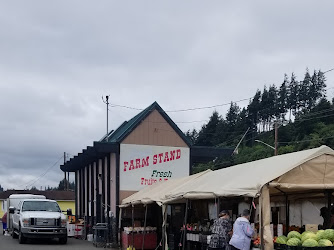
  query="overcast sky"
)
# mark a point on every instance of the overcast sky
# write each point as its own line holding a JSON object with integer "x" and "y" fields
{"x": 57, "y": 58}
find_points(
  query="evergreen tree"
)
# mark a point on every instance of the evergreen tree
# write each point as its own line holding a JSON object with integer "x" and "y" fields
{"x": 232, "y": 116}
{"x": 313, "y": 90}
{"x": 1, "y": 188}
{"x": 292, "y": 99}
{"x": 192, "y": 136}
{"x": 264, "y": 110}
{"x": 282, "y": 98}
{"x": 304, "y": 93}
{"x": 253, "y": 110}
{"x": 207, "y": 134}
{"x": 63, "y": 185}
{"x": 274, "y": 110}
{"x": 321, "y": 85}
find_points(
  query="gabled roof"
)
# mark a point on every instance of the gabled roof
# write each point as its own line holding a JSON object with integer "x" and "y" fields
{"x": 128, "y": 126}
{"x": 103, "y": 147}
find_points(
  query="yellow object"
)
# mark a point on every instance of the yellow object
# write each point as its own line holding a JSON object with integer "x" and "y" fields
{"x": 64, "y": 205}
{"x": 2, "y": 208}
{"x": 131, "y": 248}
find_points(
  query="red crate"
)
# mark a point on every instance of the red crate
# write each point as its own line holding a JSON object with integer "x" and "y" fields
{"x": 150, "y": 240}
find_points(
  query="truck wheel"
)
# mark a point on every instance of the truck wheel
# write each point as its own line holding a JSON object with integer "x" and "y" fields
{"x": 22, "y": 239}
{"x": 63, "y": 240}
{"x": 14, "y": 235}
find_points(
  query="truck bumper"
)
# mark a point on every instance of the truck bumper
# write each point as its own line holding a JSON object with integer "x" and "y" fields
{"x": 32, "y": 232}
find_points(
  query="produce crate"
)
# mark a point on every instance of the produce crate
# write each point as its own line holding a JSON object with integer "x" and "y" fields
{"x": 279, "y": 246}
{"x": 285, "y": 247}
{"x": 316, "y": 248}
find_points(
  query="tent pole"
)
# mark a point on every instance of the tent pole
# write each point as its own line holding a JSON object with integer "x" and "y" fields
{"x": 133, "y": 226}
{"x": 142, "y": 247}
{"x": 329, "y": 205}
{"x": 261, "y": 220}
{"x": 286, "y": 215}
{"x": 185, "y": 225}
{"x": 164, "y": 219}
{"x": 120, "y": 226}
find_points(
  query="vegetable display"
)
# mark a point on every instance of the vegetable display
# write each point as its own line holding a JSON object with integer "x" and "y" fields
{"x": 306, "y": 240}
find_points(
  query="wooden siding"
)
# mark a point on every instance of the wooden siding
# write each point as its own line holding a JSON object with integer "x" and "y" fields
{"x": 124, "y": 194}
{"x": 155, "y": 130}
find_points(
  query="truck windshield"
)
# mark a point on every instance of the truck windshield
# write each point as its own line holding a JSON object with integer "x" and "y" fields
{"x": 40, "y": 206}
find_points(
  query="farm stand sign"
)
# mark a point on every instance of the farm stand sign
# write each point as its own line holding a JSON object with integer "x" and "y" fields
{"x": 143, "y": 165}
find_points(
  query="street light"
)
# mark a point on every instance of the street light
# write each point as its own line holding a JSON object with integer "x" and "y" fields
{"x": 266, "y": 144}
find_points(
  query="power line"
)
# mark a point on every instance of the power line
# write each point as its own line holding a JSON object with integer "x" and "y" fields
{"x": 328, "y": 70}
{"x": 301, "y": 120}
{"x": 208, "y": 107}
{"x": 177, "y": 122}
{"x": 30, "y": 183}
{"x": 183, "y": 110}
{"x": 112, "y": 105}
{"x": 317, "y": 139}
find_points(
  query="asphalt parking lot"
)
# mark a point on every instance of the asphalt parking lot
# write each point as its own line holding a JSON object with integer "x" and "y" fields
{"x": 8, "y": 243}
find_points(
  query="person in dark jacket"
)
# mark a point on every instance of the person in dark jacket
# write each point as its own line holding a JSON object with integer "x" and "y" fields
{"x": 242, "y": 232}
{"x": 221, "y": 232}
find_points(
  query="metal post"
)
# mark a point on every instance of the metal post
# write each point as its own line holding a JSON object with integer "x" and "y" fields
{"x": 68, "y": 180}
{"x": 107, "y": 99}
{"x": 276, "y": 135}
{"x": 64, "y": 171}
{"x": 185, "y": 225}
{"x": 287, "y": 217}
{"x": 120, "y": 226}
{"x": 164, "y": 211}
{"x": 329, "y": 205}
{"x": 133, "y": 226}
{"x": 142, "y": 247}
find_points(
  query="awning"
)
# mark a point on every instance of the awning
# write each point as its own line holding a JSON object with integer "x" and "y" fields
{"x": 308, "y": 169}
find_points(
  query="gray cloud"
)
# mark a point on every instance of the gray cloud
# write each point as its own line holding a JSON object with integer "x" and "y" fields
{"x": 58, "y": 58}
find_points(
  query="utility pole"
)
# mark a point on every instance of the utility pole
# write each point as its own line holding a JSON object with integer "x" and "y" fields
{"x": 64, "y": 171}
{"x": 276, "y": 135}
{"x": 107, "y": 102}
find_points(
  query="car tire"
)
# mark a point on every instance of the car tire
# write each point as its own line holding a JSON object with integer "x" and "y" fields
{"x": 14, "y": 235}
{"x": 22, "y": 239}
{"x": 63, "y": 240}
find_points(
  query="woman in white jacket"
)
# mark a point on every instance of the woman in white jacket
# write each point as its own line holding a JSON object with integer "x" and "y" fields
{"x": 242, "y": 232}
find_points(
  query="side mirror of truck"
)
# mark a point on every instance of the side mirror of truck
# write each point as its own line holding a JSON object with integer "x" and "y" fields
{"x": 11, "y": 210}
{"x": 69, "y": 211}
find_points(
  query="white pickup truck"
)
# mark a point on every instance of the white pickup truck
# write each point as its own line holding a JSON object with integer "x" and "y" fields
{"x": 38, "y": 218}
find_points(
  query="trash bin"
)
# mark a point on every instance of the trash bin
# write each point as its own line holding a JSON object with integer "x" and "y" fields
{"x": 100, "y": 234}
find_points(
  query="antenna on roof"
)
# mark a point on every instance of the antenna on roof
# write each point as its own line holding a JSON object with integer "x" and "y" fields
{"x": 107, "y": 102}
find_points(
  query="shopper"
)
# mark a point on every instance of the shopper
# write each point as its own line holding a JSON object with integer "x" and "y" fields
{"x": 326, "y": 215}
{"x": 242, "y": 232}
{"x": 4, "y": 223}
{"x": 221, "y": 232}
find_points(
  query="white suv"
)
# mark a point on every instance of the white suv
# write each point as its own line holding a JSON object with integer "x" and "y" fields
{"x": 39, "y": 218}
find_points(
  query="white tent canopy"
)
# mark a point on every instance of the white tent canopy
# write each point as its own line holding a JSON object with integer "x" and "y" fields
{"x": 157, "y": 192}
{"x": 311, "y": 169}
{"x": 314, "y": 167}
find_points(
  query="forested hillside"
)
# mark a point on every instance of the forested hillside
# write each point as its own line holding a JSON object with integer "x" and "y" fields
{"x": 303, "y": 114}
